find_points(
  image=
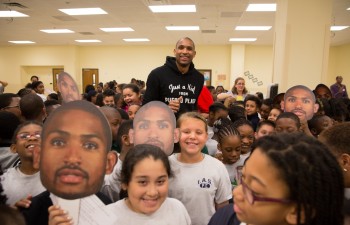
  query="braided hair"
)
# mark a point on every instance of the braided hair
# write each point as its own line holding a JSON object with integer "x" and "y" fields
{"x": 312, "y": 174}
{"x": 223, "y": 128}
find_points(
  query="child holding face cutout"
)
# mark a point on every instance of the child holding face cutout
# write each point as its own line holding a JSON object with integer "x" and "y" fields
{"x": 144, "y": 176}
{"x": 201, "y": 183}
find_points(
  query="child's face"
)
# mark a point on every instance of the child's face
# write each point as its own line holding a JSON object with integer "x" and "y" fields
{"x": 323, "y": 123}
{"x": 193, "y": 136}
{"x": 274, "y": 113}
{"x": 131, "y": 97}
{"x": 286, "y": 125}
{"x": 230, "y": 147}
{"x": 108, "y": 100}
{"x": 265, "y": 181}
{"x": 264, "y": 130}
{"x": 132, "y": 111}
{"x": 28, "y": 138}
{"x": 247, "y": 137}
{"x": 219, "y": 90}
{"x": 250, "y": 107}
{"x": 40, "y": 89}
{"x": 264, "y": 111}
{"x": 148, "y": 186}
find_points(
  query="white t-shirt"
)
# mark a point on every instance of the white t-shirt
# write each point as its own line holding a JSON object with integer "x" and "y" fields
{"x": 211, "y": 144}
{"x": 112, "y": 185}
{"x": 232, "y": 171}
{"x": 18, "y": 185}
{"x": 245, "y": 156}
{"x": 199, "y": 185}
{"x": 171, "y": 212}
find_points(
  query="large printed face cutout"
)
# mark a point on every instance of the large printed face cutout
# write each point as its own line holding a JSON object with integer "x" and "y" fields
{"x": 155, "y": 124}
{"x": 301, "y": 101}
{"x": 74, "y": 154}
{"x": 68, "y": 88}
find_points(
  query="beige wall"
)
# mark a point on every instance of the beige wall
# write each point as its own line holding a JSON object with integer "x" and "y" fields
{"x": 258, "y": 61}
{"x": 341, "y": 65}
{"x": 121, "y": 63}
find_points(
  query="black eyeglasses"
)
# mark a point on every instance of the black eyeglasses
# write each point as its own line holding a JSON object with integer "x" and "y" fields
{"x": 9, "y": 107}
{"x": 251, "y": 197}
{"x": 26, "y": 136}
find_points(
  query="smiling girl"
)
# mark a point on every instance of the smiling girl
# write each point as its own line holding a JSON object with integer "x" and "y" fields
{"x": 201, "y": 183}
{"x": 131, "y": 95}
{"x": 144, "y": 176}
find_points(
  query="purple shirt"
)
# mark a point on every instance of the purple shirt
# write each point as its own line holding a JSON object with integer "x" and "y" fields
{"x": 339, "y": 91}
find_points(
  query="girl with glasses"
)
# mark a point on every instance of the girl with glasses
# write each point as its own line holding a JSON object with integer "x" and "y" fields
{"x": 289, "y": 179}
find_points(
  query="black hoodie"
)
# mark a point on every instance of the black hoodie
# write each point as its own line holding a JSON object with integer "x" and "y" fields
{"x": 167, "y": 83}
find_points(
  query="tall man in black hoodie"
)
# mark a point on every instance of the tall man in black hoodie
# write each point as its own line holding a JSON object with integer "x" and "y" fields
{"x": 176, "y": 83}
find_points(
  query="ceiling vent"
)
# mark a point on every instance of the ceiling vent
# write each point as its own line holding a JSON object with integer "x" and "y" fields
{"x": 65, "y": 18}
{"x": 231, "y": 14}
{"x": 86, "y": 33}
{"x": 157, "y": 2}
{"x": 208, "y": 31}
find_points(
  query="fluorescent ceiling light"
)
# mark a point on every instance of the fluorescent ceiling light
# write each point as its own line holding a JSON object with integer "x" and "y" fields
{"x": 88, "y": 41}
{"x": 261, "y": 8}
{"x": 83, "y": 11}
{"x": 253, "y": 28}
{"x": 117, "y": 29}
{"x": 182, "y": 27}
{"x": 136, "y": 39}
{"x": 22, "y": 42}
{"x": 337, "y": 28}
{"x": 9, "y": 13}
{"x": 172, "y": 8}
{"x": 57, "y": 31}
{"x": 242, "y": 39}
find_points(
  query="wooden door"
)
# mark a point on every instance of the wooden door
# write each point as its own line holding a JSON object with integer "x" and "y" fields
{"x": 55, "y": 72}
{"x": 90, "y": 76}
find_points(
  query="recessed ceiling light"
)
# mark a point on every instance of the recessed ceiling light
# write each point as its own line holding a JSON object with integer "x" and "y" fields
{"x": 88, "y": 41}
{"x": 261, "y": 8}
{"x": 57, "y": 31}
{"x": 136, "y": 39}
{"x": 253, "y": 28}
{"x": 9, "y": 13}
{"x": 242, "y": 39}
{"x": 182, "y": 27}
{"x": 22, "y": 42}
{"x": 338, "y": 28}
{"x": 83, "y": 11}
{"x": 172, "y": 8}
{"x": 348, "y": 8}
{"x": 117, "y": 29}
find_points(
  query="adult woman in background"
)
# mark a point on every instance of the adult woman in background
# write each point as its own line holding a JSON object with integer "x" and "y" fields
{"x": 238, "y": 91}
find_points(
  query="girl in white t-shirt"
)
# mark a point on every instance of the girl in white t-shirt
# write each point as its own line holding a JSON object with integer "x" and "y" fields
{"x": 144, "y": 176}
{"x": 229, "y": 143}
{"x": 201, "y": 182}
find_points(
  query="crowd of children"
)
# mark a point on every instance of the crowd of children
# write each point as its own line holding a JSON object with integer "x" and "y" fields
{"x": 241, "y": 160}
